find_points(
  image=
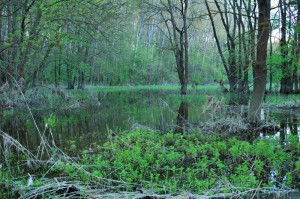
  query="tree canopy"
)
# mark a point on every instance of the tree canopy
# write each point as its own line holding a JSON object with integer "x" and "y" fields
{"x": 100, "y": 42}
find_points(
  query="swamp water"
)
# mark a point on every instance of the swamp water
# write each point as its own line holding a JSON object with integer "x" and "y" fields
{"x": 77, "y": 128}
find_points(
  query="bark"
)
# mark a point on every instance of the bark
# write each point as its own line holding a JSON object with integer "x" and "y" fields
{"x": 2, "y": 72}
{"x": 297, "y": 51}
{"x": 284, "y": 87}
{"x": 246, "y": 60}
{"x": 259, "y": 68}
{"x": 293, "y": 63}
{"x": 290, "y": 62}
{"x": 245, "y": 49}
{"x": 186, "y": 46}
{"x": 271, "y": 66}
{"x": 241, "y": 85}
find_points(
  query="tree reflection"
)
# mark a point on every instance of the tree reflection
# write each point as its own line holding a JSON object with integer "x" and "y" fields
{"x": 182, "y": 118}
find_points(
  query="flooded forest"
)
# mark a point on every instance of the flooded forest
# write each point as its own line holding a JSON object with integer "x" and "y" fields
{"x": 150, "y": 99}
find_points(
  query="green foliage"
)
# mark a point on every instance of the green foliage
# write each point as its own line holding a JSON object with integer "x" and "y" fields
{"x": 51, "y": 121}
{"x": 175, "y": 163}
{"x": 298, "y": 166}
{"x": 149, "y": 87}
{"x": 191, "y": 162}
{"x": 275, "y": 61}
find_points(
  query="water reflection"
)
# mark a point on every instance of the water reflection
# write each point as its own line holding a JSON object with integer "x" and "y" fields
{"x": 182, "y": 118}
{"x": 119, "y": 111}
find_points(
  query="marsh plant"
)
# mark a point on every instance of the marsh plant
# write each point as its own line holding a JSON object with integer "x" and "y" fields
{"x": 145, "y": 162}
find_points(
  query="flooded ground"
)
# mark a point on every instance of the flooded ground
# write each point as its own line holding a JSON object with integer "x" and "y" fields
{"x": 78, "y": 128}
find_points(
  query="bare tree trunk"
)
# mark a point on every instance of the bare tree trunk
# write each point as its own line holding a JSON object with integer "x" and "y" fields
{"x": 241, "y": 83}
{"x": 32, "y": 36}
{"x": 9, "y": 50}
{"x": 2, "y": 72}
{"x": 224, "y": 62}
{"x": 70, "y": 78}
{"x": 251, "y": 16}
{"x": 283, "y": 48}
{"x": 245, "y": 48}
{"x": 297, "y": 52}
{"x": 81, "y": 73}
{"x": 179, "y": 45}
{"x": 271, "y": 66}
{"x": 232, "y": 78}
{"x": 55, "y": 73}
{"x": 59, "y": 64}
{"x": 186, "y": 46}
{"x": 260, "y": 68}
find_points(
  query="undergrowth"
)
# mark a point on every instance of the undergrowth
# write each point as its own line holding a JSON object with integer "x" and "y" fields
{"x": 148, "y": 162}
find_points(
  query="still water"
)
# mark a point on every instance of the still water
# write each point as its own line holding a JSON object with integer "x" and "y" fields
{"x": 80, "y": 127}
{"x": 120, "y": 111}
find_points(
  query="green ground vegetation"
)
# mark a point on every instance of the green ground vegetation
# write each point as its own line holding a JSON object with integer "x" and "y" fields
{"x": 151, "y": 88}
{"x": 174, "y": 163}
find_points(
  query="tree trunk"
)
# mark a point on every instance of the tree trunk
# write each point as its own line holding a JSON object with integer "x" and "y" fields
{"x": 80, "y": 71}
{"x": 186, "y": 48}
{"x": 32, "y": 36}
{"x": 245, "y": 49}
{"x": 259, "y": 68}
{"x": 224, "y": 62}
{"x": 70, "y": 78}
{"x": 297, "y": 51}
{"x": 284, "y": 82}
{"x": 271, "y": 67}
{"x": 241, "y": 82}
{"x": 251, "y": 15}
{"x": 180, "y": 47}
{"x": 2, "y": 72}
{"x": 42, "y": 64}
{"x": 232, "y": 78}
{"x": 55, "y": 73}
{"x": 9, "y": 50}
